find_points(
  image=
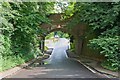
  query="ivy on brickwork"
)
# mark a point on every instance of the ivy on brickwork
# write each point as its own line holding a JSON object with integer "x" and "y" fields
{"x": 20, "y": 28}
{"x": 104, "y": 20}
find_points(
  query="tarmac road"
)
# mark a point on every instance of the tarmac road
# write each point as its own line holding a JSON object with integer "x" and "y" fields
{"x": 58, "y": 66}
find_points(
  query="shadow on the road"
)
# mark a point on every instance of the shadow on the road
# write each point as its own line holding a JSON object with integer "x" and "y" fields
{"x": 67, "y": 69}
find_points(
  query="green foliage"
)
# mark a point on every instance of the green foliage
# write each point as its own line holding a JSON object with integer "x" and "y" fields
{"x": 20, "y": 28}
{"x": 12, "y": 61}
{"x": 104, "y": 20}
{"x": 62, "y": 34}
{"x": 19, "y": 31}
{"x": 69, "y": 11}
{"x": 46, "y": 48}
{"x": 109, "y": 48}
{"x": 72, "y": 47}
{"x": 51, "y": 35}
{"x": 59, "y": 33}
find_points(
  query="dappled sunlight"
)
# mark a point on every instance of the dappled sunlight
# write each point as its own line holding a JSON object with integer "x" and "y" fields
{"x": 59, "y": 39}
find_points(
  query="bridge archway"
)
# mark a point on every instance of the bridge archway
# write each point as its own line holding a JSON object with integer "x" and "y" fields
{"x": 77, "y": 31}
{"x": 62, "y": 30}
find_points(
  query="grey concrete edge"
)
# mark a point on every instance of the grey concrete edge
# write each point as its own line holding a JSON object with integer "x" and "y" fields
{"x": 102, "y": 71}
{"x": 92, "y": 69}
{"x": 16, "y": 69}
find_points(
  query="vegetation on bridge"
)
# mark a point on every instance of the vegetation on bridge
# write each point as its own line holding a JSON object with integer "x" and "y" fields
{"x": 19, "y": 29}
{"x": 104, "y": 20}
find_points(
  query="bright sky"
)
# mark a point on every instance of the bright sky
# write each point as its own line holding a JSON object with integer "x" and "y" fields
{"x": 58, "y": 8}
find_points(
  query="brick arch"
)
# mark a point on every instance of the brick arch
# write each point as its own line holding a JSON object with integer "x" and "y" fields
{"x": 58, "y": 29}
{"x": 77, "y": 31}
{"x": 60, "y": 25}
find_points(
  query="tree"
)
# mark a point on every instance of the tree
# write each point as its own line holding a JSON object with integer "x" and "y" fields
{"x": 19, "y": 31}
{"x": 103, "y": 19}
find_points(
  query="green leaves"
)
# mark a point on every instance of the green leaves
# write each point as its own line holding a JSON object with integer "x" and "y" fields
{"x": 69, "y": 11}
{"x": 108, "y": 47}
{"x": 19, "y": 31}
{"x": 104, "y": 20}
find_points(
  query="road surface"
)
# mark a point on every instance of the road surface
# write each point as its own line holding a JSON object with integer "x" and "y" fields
{"x": 57, "y": 66}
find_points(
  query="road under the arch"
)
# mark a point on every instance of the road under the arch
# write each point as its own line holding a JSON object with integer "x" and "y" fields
{"x": 57, "y": 66}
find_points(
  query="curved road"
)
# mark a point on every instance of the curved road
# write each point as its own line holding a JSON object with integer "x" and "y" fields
{"x": 57, "y": 66}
